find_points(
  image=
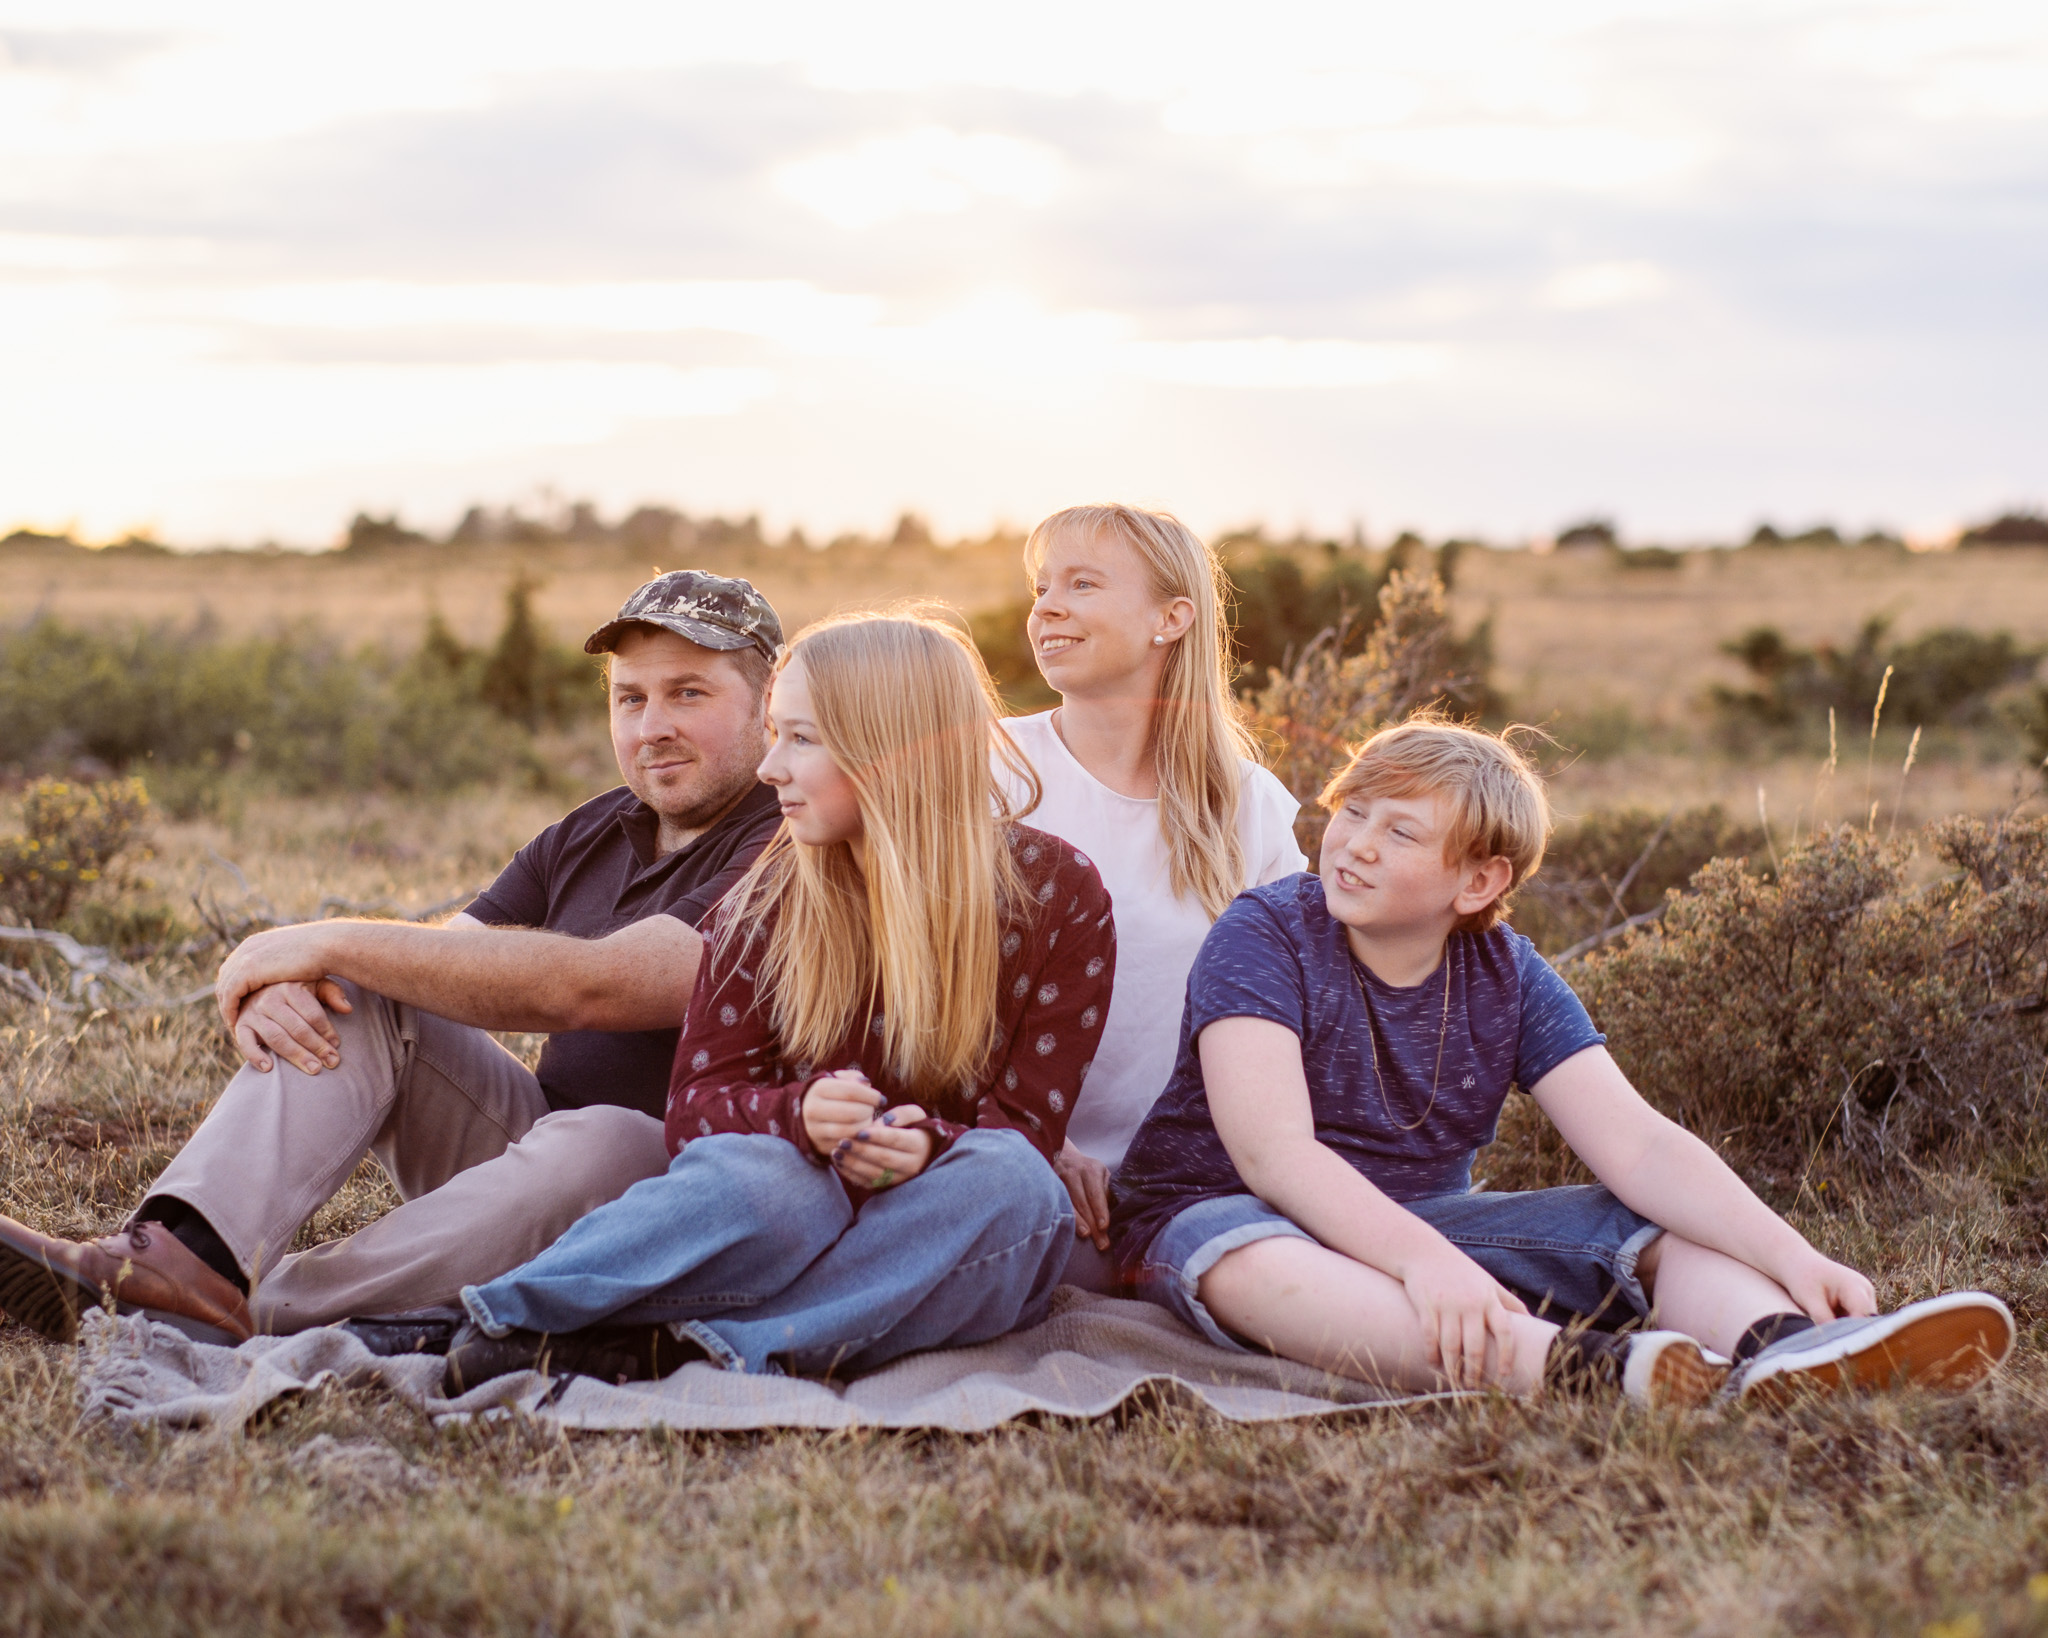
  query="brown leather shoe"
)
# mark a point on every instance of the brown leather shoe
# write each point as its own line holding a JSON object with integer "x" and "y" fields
{"x": 47, "y": 1283}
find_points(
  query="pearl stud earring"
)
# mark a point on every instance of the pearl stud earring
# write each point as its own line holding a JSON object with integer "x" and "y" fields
{"x": 1156, "y": 641}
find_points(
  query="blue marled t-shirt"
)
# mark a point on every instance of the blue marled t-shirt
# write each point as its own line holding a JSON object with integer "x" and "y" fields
{"x": 1278, "y": 953}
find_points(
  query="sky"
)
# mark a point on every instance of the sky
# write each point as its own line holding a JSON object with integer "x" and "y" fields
{"x": 1469, "y": 268}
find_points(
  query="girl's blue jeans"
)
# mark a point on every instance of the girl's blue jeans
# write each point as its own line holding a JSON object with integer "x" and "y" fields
{"x": 746, "y": 1248}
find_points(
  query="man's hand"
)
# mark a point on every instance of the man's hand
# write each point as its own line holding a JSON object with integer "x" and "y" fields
{"x": 1827, "y": 1290}
{"x": 284, "y": 955}
{"x": 1087, "y": 1181}
{"x": 1460, "y": 1306}
{"x": 290, "y": 1020}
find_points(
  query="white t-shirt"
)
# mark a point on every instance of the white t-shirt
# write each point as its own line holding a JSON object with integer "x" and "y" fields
{"x": 1157, "y": 934}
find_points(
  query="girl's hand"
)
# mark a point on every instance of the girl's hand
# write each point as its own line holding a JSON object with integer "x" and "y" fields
{"x": 883, "y": 1153}
{"x": 836, "y": 1107}
{"x": 1461, "y": 1306}
{"x": 1827, "y": 1290}
{"x": 1087, "y": 1181}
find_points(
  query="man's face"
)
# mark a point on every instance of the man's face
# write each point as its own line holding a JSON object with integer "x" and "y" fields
{"x": 686, "y": 727}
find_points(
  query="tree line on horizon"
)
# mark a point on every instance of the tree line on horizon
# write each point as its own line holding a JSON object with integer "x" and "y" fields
{"x": 667, "y": 529}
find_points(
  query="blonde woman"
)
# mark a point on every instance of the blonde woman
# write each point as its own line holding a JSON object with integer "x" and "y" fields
{"x": 1145, "y": 766}
{"x": 877, "y": 1065}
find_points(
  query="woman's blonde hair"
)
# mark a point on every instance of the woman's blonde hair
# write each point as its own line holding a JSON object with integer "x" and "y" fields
{"x": 905, "y": 708}
{"x": 1198, "y": 732}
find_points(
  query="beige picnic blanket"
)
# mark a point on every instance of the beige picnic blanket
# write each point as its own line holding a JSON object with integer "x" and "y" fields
{"x": 1086, "y": 1359}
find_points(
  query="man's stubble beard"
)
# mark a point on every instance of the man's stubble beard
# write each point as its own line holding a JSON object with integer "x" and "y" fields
{"x": 713, "y": 790}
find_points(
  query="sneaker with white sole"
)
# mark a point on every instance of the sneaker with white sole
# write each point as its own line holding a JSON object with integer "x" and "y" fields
{"x": 1668, "y": 1370}
{"x": 1953, "y": 1341}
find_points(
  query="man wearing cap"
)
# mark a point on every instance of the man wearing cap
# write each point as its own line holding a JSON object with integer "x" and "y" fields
{"x": 365, "y": 1037}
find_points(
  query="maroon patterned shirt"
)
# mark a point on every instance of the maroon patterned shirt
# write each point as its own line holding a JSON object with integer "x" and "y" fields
{"x": 1058, "y": 957}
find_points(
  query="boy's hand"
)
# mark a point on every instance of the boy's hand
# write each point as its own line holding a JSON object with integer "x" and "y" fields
{"x": 836, "y": 1107}
{"x": 1087, "y": 1181}
{"x": 1827, "y": 1290}
{"x": 1460, "y": 1307}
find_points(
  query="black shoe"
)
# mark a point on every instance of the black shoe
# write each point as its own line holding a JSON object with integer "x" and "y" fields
{"x": 610, "y": 1353}
{"x": 429, "y": 1331}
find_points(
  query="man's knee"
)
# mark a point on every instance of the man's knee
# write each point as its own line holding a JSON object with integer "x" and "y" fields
{"x": 601, "y": 1149}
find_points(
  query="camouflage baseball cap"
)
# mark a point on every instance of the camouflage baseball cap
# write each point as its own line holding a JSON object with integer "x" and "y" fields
{"x": 708, "y": 609}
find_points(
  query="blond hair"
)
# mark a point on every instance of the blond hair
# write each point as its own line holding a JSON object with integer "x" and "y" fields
{"x": 1198, "y": 732}
{"x": 905, "y": 708}
{"x": 1499, "y": 809}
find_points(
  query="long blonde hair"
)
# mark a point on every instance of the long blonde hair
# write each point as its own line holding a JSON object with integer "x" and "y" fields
{"x": 1198, "y": 732}
{"x": 905, "y": 708}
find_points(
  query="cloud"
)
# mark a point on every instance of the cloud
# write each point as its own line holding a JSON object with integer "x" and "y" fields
{"x": 1477, "y": 264}
{"x": 1603, "y": 284}
{"x": 931, "y": 170}
{"x": 1276, "y": 363}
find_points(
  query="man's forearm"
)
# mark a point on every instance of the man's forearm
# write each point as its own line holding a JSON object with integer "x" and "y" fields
{"x": 494, "y": 978}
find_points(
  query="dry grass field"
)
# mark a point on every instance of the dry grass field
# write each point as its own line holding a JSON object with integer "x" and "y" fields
{"x": 343, "y": 1513}
{"x": 1570, "y": 629}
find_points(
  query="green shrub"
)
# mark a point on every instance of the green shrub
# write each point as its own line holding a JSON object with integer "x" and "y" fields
{"x": 1310, "y": 715}
{"x": 527, "y": 677}
{"x": 1835, "y": 1006}
{"x": 1005, "y": 643}
{"x": 1943, "y": 676}
{"x": 294, "y": 709}
{"x": 71, "y": 835}
{"x": 1278, "y": 607}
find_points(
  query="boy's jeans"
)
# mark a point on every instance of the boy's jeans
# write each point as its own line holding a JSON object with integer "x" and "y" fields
{"x": 748, "y": 1249}
{"x": 1568, "y": 1252}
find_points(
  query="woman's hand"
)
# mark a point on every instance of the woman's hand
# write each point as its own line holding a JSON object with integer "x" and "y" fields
{"x": 1087, "y": 1181}
{"x": 839, "y": 1114}
{"x": 883, "y": 1153}
{"x": 1460, "y": 1307}
{"x": 836, "y": 1107}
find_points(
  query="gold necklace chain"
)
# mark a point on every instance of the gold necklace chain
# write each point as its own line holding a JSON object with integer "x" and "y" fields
{"x": 1371, "y": 1041}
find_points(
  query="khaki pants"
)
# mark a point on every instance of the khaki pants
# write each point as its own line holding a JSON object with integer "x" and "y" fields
{"x": 488, "y": 1176}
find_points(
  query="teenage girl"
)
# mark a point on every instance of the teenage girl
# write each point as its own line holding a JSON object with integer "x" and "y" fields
{"x": 1145, "y": 766}
{"x": 877, "y": 1066}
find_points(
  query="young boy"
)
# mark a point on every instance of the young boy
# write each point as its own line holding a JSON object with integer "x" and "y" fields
{"x": 1303, "y": 1183}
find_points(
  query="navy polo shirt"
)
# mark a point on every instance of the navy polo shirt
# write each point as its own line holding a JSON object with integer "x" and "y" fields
{"x": 595, "y": 872}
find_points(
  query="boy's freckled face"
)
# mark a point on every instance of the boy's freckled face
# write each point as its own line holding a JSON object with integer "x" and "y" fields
{"x": 1383, "y": 865}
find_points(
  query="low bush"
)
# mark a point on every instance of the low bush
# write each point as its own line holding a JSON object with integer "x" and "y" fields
{"x": 1942, "y": 676}
{"x": 1310, "y": 715}
{"x": 294, "y": 708}
{"x": 1280, "y": 605}
{"x": 1284, "y": 604}
{"x": 1835, "y": 1005}
{"x": 1620, "y": 862}
{"x": 71, "y": 836}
